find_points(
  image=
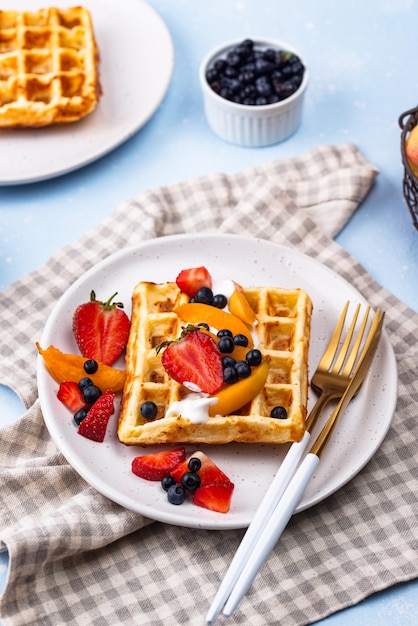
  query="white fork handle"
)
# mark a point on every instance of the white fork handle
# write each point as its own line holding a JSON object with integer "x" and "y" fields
{"x": 274, "y": 493}
{"x": 272, "y": 531}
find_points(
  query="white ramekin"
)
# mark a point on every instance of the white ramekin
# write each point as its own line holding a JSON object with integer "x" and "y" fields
{"x": 246, "y": 125}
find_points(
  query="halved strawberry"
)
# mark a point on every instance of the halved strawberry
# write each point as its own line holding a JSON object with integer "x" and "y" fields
{"x": 191, "y": 280}
{"x": 157, "y": 465}
{"x": 209, "y": 471}
{"x": 70, "y": 395}
{"x": 101, "y": 329}
{"x": 214, "y": 496}
{"x": 95, "y": 423}
{"x": 194, "y": 360}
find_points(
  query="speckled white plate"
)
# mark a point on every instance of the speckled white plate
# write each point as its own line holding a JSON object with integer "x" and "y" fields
{"x": 137, "y": 59}
{"x": 107, "y": 466}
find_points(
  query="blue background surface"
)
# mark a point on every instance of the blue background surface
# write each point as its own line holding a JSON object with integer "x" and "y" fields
{"x": 362, "y": 62}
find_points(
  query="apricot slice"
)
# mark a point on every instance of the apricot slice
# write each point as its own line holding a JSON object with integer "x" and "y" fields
{"x": 196, "y": 313}
{"x": 240, "y": 307}
{"x": 69, "y": 367}
{"x": 233, "y": 397}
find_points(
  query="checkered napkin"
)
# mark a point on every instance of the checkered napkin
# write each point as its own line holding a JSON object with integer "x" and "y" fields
{"x": 77, "y": 558}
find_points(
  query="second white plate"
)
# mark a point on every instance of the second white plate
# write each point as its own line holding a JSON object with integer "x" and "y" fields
{"x": 137, "y": 59}
{"x": 107, "y": 466}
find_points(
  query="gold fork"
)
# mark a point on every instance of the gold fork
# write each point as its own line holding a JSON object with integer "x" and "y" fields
{"x": 333, "y": 373}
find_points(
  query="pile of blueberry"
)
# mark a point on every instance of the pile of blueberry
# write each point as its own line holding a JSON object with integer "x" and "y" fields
{"x": 257, "y": 77}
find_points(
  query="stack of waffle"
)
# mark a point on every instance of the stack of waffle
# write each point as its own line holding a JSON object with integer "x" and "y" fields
{"x": 48, "y": 67}
{"x": 283, "y": 330}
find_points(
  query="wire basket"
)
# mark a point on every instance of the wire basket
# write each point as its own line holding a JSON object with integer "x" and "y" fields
{"x": 407, "y": 121}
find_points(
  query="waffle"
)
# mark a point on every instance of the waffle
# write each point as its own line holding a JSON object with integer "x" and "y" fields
{"x": 283, "y": 329}
{"x": 48, "y": 67}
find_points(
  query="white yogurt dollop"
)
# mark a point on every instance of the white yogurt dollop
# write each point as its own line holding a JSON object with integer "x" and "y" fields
{"x": 195, "y": 408}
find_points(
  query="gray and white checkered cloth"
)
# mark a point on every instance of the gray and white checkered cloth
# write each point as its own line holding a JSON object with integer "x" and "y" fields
{"x": 77, "y": 558}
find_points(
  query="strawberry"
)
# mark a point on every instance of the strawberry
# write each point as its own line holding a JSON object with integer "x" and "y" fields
{"x": 194, "y": 358}
{"x": 191, "y": 280}
{"x": 209, "y": 472}
{"x": 71, "y": 396}
{"x": 214, "y": 496}
{"x": 101, "y": 329}
{"x": 157, "y": 465}
{"x": 95, "y": 423}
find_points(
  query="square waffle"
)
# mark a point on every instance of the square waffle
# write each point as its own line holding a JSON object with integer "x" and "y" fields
{"x": 283, "y": 329}
{"x": 48, "y": 67}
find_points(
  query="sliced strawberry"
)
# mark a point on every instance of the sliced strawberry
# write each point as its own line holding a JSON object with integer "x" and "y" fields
{"x": 194, "y": 358}
{"x": 214, "y": 496}
{"x": 209, "y": 471}
{"x": 157, "y": 465}
{"x": 70, "y": 395}
{"x": 191, "y": 280}
{"x": 95, "y": 423}
{"x": 101, "y": 329}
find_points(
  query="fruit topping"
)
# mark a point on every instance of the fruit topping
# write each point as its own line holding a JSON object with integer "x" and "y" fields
{"x": 176, "y": 494}
{"x": 214, "y": 496}
{"x": 70, "y": 395}
{"x": 95, "y": 423}
{"x": 149, "y": 410}
{"x": 254, "y": 76}
{"x": 233, "y": 397}
{"x": 240, "y": 307}
{"x": 195, "y": 313}
{"x": 157, "y": 465}
{"x": 189, "y": 281}
{"x": 194, "y": 360}
{"x": 278, "y": 412}
{"x": 101, "y": 329}
{"x": 91, "y": 366}
{"x": 70, "y": 367}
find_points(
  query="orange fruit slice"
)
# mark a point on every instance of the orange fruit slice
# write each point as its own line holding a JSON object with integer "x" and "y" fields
{"x": 240, "y": 307}
{"x": 233, "y": 397}
{"x": 196, "y": 313}
{"x": 69, "y": 367}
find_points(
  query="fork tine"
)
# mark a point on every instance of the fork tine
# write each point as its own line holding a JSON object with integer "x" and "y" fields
{"x": 331, "y": 350}
{"x": 346, "y": 345}
{"x": 356, "y": 347}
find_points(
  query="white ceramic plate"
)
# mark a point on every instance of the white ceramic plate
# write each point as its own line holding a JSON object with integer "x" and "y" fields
{"x": 107, "y": 466}
{"x": 137, "y": 61}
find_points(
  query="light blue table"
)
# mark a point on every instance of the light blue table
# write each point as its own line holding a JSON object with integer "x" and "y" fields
{"x": 362, "y": 58}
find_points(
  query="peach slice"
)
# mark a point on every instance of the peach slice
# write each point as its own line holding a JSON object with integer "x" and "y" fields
{"x": 240, "y": 307}
{"x": 196, "y": 313}
{"x": 233, "y": 397}
{"x": 69, "y": 367}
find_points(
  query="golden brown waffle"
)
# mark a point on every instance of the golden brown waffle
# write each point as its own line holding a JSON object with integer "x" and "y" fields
{"x": 283, "y": 329}
{"x": 48, "y": 67}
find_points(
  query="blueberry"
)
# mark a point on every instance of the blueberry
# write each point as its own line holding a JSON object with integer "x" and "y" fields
{"x": 241, "y": 340}
{"x": 230, "y": 375}
{"x": 79, "y": 416}
{"x": 228, "y": 361}
{"x": 253, "y": 357}
{"x": 176, "y": 494}
{"x": 279, "y": 412}
{"x": 167, "y": 482}
{"x": 149, "y": 410}
{"x": 220, "y": 301}
{"x": 226, "y": 345}
{"x": 261, "y": 101}
{"x": 224, "y": 332}
{"x": 220, "y": 66}
{"x": 211, "y": 75}
{"x": 194, "y": 464}
{"x": 263, "y": 87}
{"x": 90, "y": 366}
{"x": 190, "y": 481}
{"x": 232, "y": 58}
{"x": 84, "y": 382}
{"x": 204, "y": 295}
{"x": 242, "y": 369}
{"x": 203, "y": 325}
{"x": 91, "y": 393}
